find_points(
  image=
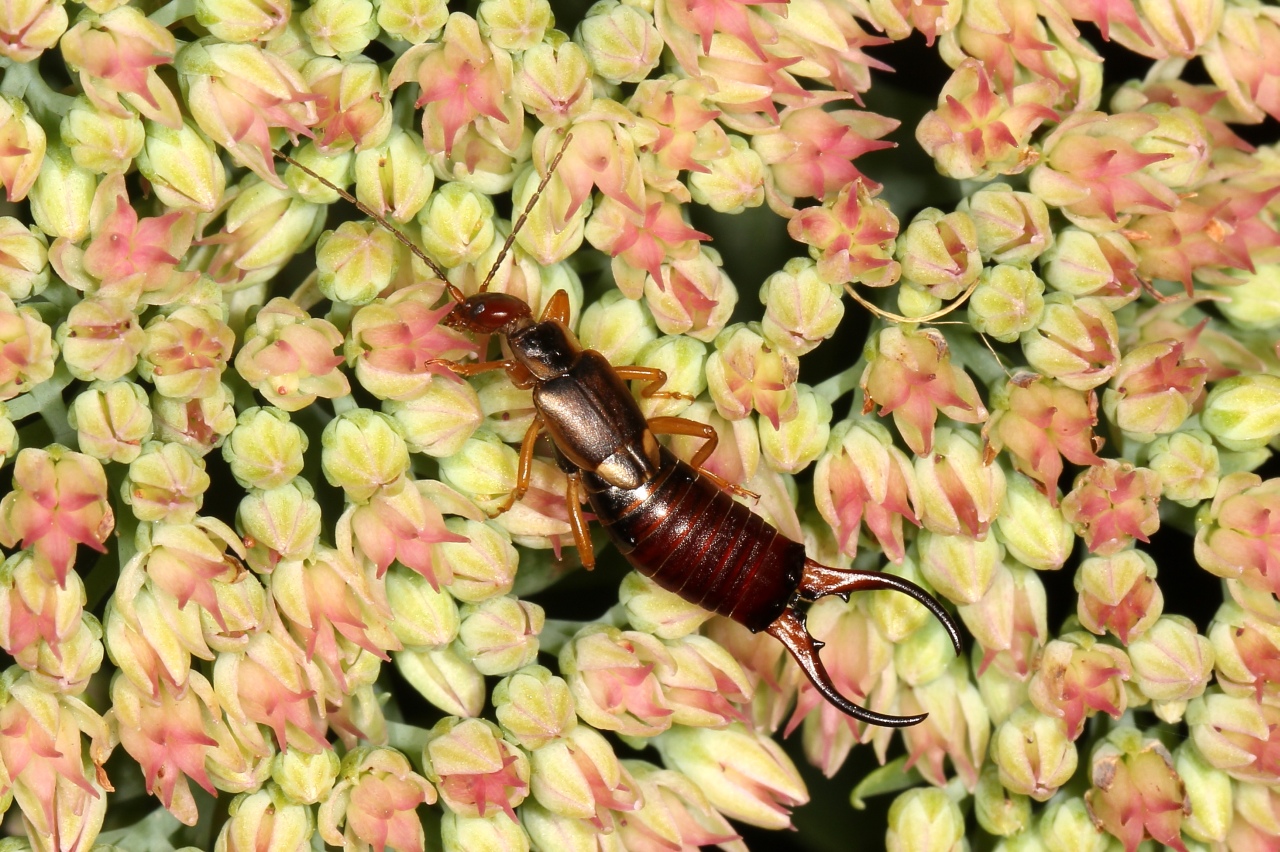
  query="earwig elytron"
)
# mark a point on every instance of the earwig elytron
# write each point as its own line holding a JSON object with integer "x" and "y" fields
{"x": 674, "y": 522}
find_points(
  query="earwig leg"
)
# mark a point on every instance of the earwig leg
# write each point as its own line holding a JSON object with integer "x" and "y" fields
{"x": 653, "y": 379}
{"x": 819, "y": 580}
{"x": 524, "y": 472}
{"x": 789, "y": 629}
{"x": 581, "y": 536}
{"x": 518, "y": 373}
{"x": 694, "y": 429}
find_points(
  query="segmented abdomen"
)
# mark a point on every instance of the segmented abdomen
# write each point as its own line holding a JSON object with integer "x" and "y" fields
{"x": 695, "y": 540}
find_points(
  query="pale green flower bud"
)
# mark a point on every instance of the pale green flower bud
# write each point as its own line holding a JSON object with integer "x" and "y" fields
{"x": 939, "y": 252}
{"x": 655, "y": 610}
{"x": 22, "y": 130}
{"x": 733, "y": 182}
{"x": 1013, "y": 227}
{"x": 1182, "y": 137}
{"x": 98, "y": 140}
{"x": 284, "y": 523}
{"x": 514, "y": 24}
{"x": 1065, "y": 826}
{"x": 549, "y": 830}
{"x": 8, "y": 436}
{"x": 796, "y": 443}
{"x": 484, "y": 470}
{"x": 263, "y": 820}
{"x": 1032, "y": 530}
{"x": 1100, "y": 265}
{"x": 916, "y": 302}
{"x": 681, "y": 358}
{"x": 457, "y": 224}
{"x": 24, "y": 260}
{"x": 801, "y": 310}
{"x": 395, "y": 179}
{"x": 1033, "y": 753}
{"x": 1119, "y": 593}
{"x": 496, "y": 832}
{"x": 199, "y": 425}
{"x": 1243, "y": 412}
{"x": 65, "y": 667}
{"x": 553, "y": 81}
{"x": 414, "y": 21}
{"x": 483, "y": 566}
{"x": 960, "y": 568}
{"x": 278, "y": 225}
{"x": 1008, "y": 301}
{"x": 924, "y": 655}
{"x": 265, "y": 449}
{"x": 616, "y": 327}
{"x": 1172, "y": 664}
{"x": 101, "y": 339}
{"x": 959, "y": 494}
{"x": 999, "y": 811}
{"x": 1187, "y": 464}
{"x": 745, "y": 373}
{"x": 339, "y": 28}
{"x": 444, "y": 678}
{"x": 440, "y": 420}
{"x": 1075, "y": 342}
{"x": 924, "y": 820}
{"x": 62, "y": 195}
{"x": 183, "y": 167}
{"x": 500, "y": 634}
{"x": 166, "y": 483}
{"x": 563, "y": 782}
{"x": 621, "y": 41}
{"x": 548, "y": 235}
{"x": 896, "y": 615}
{"x": 334, "y": 167}
{"x": 242, "y": 21}
{"x": 424, "y": 617}
{"x": 1254, "y": 303}
{"x": 361, "y": 452}
{"x": 112, "y": 420}
{"x": 534, "y": 707}
{"x": 1002, "y": 691}
{"x": 1209, "y": 791}
{"x": 356, "y": 262}
{"x": 305, "y": 779}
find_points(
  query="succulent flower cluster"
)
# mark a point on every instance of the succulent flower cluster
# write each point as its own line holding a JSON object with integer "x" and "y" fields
{"x": 259, "y": 567}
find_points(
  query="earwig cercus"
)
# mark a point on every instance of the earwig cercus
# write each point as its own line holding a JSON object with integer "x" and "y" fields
{"x": 672, "y": 520}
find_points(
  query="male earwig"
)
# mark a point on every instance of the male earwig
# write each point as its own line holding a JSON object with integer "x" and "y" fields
{"x": 674, "y": 521}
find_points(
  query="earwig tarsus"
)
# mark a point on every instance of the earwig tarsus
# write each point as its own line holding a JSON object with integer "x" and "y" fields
{"x": 674, "y": 522}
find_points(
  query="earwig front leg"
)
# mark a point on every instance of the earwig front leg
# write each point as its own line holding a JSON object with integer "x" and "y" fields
{"x": 694, "y": 429}
{"x": 653, "y": 379}
{"x": 581, "y": 535}
{"x": 519, "y": 375}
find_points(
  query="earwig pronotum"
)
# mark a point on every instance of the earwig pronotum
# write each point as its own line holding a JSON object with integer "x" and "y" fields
{"x": 674, "y": 521}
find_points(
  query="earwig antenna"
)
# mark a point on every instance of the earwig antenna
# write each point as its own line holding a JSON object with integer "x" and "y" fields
{"x": 524, "y": 215}
{"x": 899, "y": 318}
{"x": 368, "y": 211}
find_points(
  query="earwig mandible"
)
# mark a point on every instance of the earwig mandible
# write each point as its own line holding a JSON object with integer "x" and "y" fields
{"x": 674, "y": 521}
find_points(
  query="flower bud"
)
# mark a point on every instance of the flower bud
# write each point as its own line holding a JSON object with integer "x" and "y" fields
{"x": 939, "y": 252}
{"x": 424, "y": 617}
{"x": 962, "y": 569}
{"x": 241, "y": 21}
{"x": 183, "y": 167}
{"x": 959, "y": 493}
{"x": 1187, "y": 464}
{"x": 1008, "y": 302}
{"x": 185, "y": 352}
{"x": 355, "y": 263}
{"x": 1001, "y": 692}
{"x": 1033, "y": 754}
{"x": 1243, "y": 412}
{"x": 1119, "y": 594}
{"x": 681, "y": 358}
{"x": 1112, "y": 504}
{"x": 62, "y": 196}
{"x": 745, "y": 775}
{"x": 475, "y": 769}
{"x": 553, "y": 81}
{"x": 265, "y": 227}
{"x": 1253, "y": 303}
{"x": 101, "y": 339}
{"x": 26, "y": 137}
{"x": 500, "y": 634}
{"x": 265, "y": 449}
{"x": 1136, "y": 792}
{"x": 483, "y": 564}
{"x": 653, "y": 609}
{"x": 1103, "y": 266}
{"x": 801, "y": 310}
{"x": 485, "y": 470}
{"x": 24, "y": 260}
{"x": 305, "y": 778}
{"x": 444, "y": 678}
{"x": 924, "y": 820}
{"x": 1009, "y": 621}
{"x": 514, "y": 24}
{"x": 1012, "y": 227}
{"x": 999, "y": 811}
{"x": 1235, "y": 734}
{"x": 1209, "y": 794}
{"x": 361, "y": 452}
{"x": 616, "y": 327}
{"x": 579, "y": 776}
{"x": 339, "y": 28}
{"x": 1155, "y": 390}
{"x": 99, "y": 141}
{"x": 1075, "y": 342}
{"x": 284, "y": 337}
{"x": 922, "y": 656}
{"x": 1066, "y": 826}
{"x": 440, "y": 420}
{"x": 731, "y": 183}
{"x": 497, "y": 832}
{"x": 549, "y": 830}
{"x": 28, "y": 28}
{"x": 1076, "y": 676}
{"x": 395, "y": 178}
{"x": 261, "y": 821}
{"x": 534, "y": 707}
{"x": 745, "y": 373}
{"x": 1172, "y": 664}
{"x": 457, "y": 224}
{"x": 696, "y": 299}
{"x": 199, "y": 425}
{"x": 1031, "y": 529}
{"x": 284, "y": 523}
{"x": 376, "y": 797}
{"x": 612, "y": 676}
{"x": 620, "y": 41}
{"x": 112, "y": 420}
{"x": 793, "y": 445}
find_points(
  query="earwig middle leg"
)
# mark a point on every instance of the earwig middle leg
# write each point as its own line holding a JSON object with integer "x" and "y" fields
{"x": 578, "y": 523}
{"x": 694, "y": 429}
{"x": 653, "y": 378}
{"x": 524, "y": 471}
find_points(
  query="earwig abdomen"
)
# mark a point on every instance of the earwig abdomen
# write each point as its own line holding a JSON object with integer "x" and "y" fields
{"x": 693, "y": 539}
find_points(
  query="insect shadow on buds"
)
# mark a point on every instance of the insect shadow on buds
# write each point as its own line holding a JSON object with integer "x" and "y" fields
{"x": 674, "y": 521}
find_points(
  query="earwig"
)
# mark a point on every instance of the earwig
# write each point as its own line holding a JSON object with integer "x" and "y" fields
{"x": 672, "y": 520}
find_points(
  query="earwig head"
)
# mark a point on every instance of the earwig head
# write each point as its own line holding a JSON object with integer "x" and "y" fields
{"x": 790, "y": 630}
{"x": 488, "y": 313}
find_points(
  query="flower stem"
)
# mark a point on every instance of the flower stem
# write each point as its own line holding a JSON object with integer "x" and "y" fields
{"x": 22, "y": 80}
{"x": 172, "y": 12}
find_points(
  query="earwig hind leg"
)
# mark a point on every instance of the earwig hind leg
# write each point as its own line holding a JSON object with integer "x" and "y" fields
{"x": 653, "y": 378}
{"x": 581, "y": 535}
{"x": 790, "y": 630}
{"x": 694, "y": 429}
{"x": 819, "y": 580}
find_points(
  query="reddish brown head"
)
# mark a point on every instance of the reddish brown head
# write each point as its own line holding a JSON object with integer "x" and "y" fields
{"x": 488, "y": 313}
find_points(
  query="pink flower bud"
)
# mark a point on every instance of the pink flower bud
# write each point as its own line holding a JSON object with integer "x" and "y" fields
{"x": 1237, "y": 57}
{"x": 676, "y": 813}
{"x": 1075, "y": 342}
{"x": 375, "y": 798}
{"x": 29, "y": 27}
{"x": 1136, "y": 791}
{"x": 1245, "y": 651}
{"x": 28, "y": 355}
{"x": 1112, "y": 504}
{"x": 745, "y": 373}
{"x": 36, "y": 610}
{"x": 1237, "y": 735}
{"x": 851, "y": 236}
{"x": 1119, "y": 594}
{"x": 1238, "y": 537}
{"x": 475, "y": 769}
{"x": 811, "y": 154}
{"x": 116, "y": 56}
{"x": 959, "y": 493}
{"x": 579, "y": 776}
{"x": 1155, "y": 389}
{"x": 22, "y": 147}
{"x": 614, "y": 682}
{"x": 185, "y": 352}
{"x": 265, "y": 685}
{"x": 399, "y": 523}
{"x": 200, "y": 425}
{"x": 642, "y": 240}
{"x": 353, "y": 106}
{"x": 958, "y": 727}
{"x": 910, "y": 374}
{"x": 1077, "y": 676}
{"x": 288, "y": 357}
{"x": 1009, "y": 622}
